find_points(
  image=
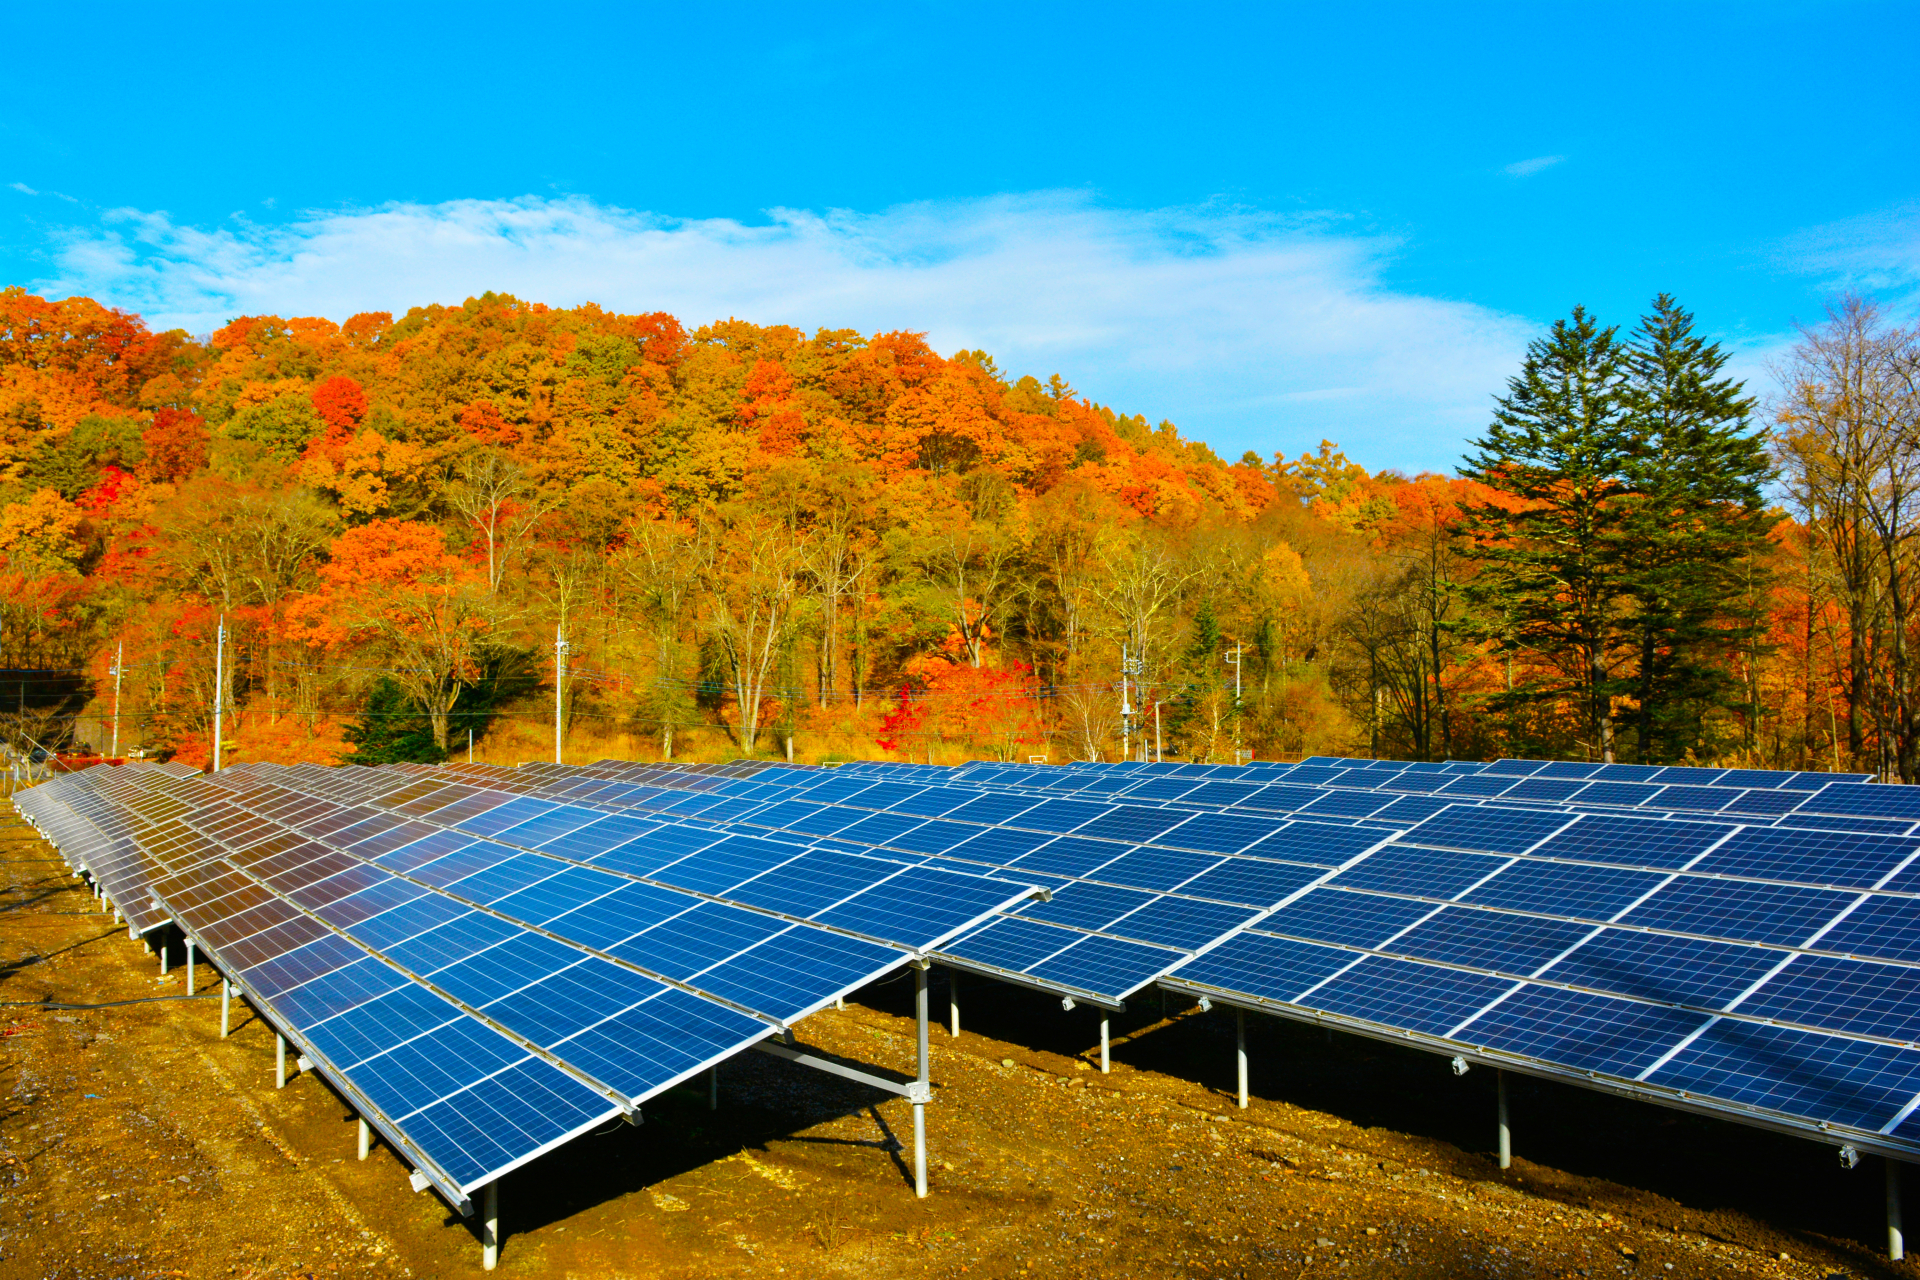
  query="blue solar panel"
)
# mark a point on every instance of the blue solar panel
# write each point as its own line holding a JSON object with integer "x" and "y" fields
{"x": 1427, "y": 873}
{"x": 1492, "y": 940}
{"x": 1086, "y": 906}
{"x": 1477, "y": 785}
{"x": 1869, "y": 999}
{"x": 1106, "y": 965}
{"x": 1069, "y": 856}
{"x": 1186, "y": 923}
{"x": 1740, "y": 910}
{"x": 1156, "y": 868}
{"x": 1865, "y": 800}
{"x": 1317, "y": 842}
{"x": 1565, "y": 889}
{"x": 1489, "y": 830}
{"x": 1817, "y": 857}
{"x": 1849, "y": 1082}
{"x": 1355, "y": 919}
{"x": 1012, "y": 944}
{"x": 1218, "y": 832}
{"x": 1882, "y": 926}
{"x": 785, "y": 975}
{"x": 1347, "y": 804}
{"x": 1250, "y": 881}
{"x": 1134, "y": 823}
{"x": 1410, "y": 810}
{"x": 1545, "y": 789}
{"x": 1586, "y": 1032}
{"x": 693, "y": 941}
{"x": 1659, "y": 966}
{"x": 1401, "y": 994}
{"x": 1642, "y": 842}
{"x": 1274, "y": 968}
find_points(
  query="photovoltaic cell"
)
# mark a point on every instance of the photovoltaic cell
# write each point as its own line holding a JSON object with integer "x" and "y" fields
{"x": 1400, "y": 994}
{"x": 1339, "y": 916}
{"x": 1586, "y": 1032}
{"x": 1849, "y": 1082}
{"x": 1733, "y": 909}
{"x": 1661, "y": 967}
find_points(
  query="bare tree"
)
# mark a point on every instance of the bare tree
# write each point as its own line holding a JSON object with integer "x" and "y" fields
{"x": 494, "y": 494}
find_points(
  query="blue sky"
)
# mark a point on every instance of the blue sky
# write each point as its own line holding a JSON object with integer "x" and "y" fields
{"x": 1269, "y": 224}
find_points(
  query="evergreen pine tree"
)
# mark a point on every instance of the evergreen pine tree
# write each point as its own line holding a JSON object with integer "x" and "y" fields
{"x": 391, "y": 730}
{"x": 1694, "y": 518}
{"x": 1553, "y": 550}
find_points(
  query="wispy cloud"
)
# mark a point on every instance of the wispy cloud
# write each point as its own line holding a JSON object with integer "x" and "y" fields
{"x": 1250, "y": 330}
{"x": 1527, "y": 168}
{"x": 1878, "y": 251}
{"x": 21, "y": 186}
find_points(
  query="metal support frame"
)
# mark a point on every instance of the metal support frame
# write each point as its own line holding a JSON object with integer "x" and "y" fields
{"x": 161, "y": 947}
{"x": 189, "y": 966}
{"x": 1896, "y": 1235}
{"x": 953, "y": 1003}
{"x": 923, "y": 1080}
{"x": 1240, "y": 1051}
{"x": 226, "y": 1001}
{"x": 279, "y": 1060}
{"x": 490, "y": 1228}
{"x": 1104, "y": 1059}
{"x": 366, "y": 1135}
{"x": 1506, "y": 1134}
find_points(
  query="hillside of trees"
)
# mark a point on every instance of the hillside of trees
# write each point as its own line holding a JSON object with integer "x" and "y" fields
{"x": 760, "y": 541}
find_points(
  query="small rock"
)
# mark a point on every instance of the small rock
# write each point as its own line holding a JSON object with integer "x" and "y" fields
{"x": 1006, "y": 1062}
{"x": 1083, "y": 1066}
{"x": 1785, "y": 1256}
{"x": 1323, "y": 1242}
{"x": 1626, "y": 1251}
{"x": 1373, "y": 1231}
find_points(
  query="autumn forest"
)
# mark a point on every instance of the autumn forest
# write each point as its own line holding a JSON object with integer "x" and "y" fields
{"x": 758, "y": 541}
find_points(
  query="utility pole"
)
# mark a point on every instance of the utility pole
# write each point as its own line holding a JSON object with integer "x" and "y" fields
{"x": 1159, "y": 750}
{"x": 1234, "y": 658}
{"x": 119, "y": 660}
{"x": 219, "y": 686}
{"x": 559, "y": 687}
{"x": 1126, "y": 709}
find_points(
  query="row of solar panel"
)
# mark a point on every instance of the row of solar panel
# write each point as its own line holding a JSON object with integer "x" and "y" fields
{"x": 1384, "y": 942}
{"x": 1693, "y": 895}
{"x": 1401, "y": 796}
{"x": 374, "y": 965}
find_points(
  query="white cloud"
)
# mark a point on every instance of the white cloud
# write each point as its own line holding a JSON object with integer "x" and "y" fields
{"x": 1872, "y": 252}
{"x": 1248, "y": 329}
{"x": 21, "y": 186}
{"x": 1527, "y": 168}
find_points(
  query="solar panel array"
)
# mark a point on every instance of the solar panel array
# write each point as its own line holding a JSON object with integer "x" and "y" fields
{"x": 1736, "y": 965}
{"x": 488, "y": 978}
{"x": 1744, "y": 942}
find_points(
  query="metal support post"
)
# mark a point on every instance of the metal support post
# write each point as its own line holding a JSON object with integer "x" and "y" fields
{"x": 490, "y": 1228}
{"x": 226, "y": 997}
{"x": 920, "y": 1108}
{"x": 1506, "y": 1135}
{"x": 1896, "y": 1237}
{"x": 1240, "y": 1051}
{"x": 366, "y": 1136}
{"x": 279, "y": 1061}
{"x": 189, "y": 966}
{"x": 1103, "y": 1042}
{"x": 713, "y": 1087}
{"x": 162, "y": 945}
{"x": 219, "y": 688}
{"x": 953, "y": 1003}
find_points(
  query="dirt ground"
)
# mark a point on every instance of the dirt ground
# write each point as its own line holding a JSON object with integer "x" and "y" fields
{"x": 135, "y": 1142}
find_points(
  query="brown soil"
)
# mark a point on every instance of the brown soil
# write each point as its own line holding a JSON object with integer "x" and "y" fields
{"x": 135, "y": 1142}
